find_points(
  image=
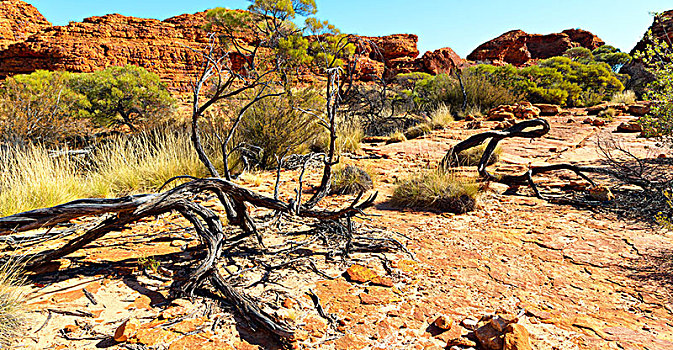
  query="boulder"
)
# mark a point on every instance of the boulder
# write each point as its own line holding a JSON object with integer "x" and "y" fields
{"x": 638, "y": 109}
{"x": 548, "y": 109}
{"x": 18, "y": 21}
{"x": 516, "y": 338}
{"x": 594, "y": 110}
{"x": 600, "y": 193}
{"x": 632, "y": 126}
{"x": 443, "y": 60}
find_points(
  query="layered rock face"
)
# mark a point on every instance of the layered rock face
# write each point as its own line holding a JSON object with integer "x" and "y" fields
{"x": 19, "y": 20}
{"x": 165, "y": 47}
{"x": 519, "y": 48}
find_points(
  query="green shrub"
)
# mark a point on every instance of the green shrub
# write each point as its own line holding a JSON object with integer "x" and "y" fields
{"x": 277, "y": 125}
{"x": 658, "y": 58}
{"x": 557, "y": 80}
{"x": 127, "y": 95}
{"x": 350, "y": 180}
{"x": 432, "y": 92}
{"x": 39, "y": 107}
{"x": 472, "y": 156}
{"x": 443, "y": 191}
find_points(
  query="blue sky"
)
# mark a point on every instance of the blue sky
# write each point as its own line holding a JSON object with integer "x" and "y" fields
{"x": 459, "y": 24}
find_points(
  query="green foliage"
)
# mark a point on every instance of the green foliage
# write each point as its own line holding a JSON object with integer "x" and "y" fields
{"x": 149, "y": 263}
{"x": 612, "y": 56}
{"x": 443, "y": 191}
{"x": 127, "y": 95}
{"x": 579, "y": 54}
{"x": 557, "y": 80}
{"x": 350, "y": 180}
{"x": 39, "y": 107}
{"x": 278, "y": 125}
{"x": 658, "y": 59}
{"x": 430, "y": 92}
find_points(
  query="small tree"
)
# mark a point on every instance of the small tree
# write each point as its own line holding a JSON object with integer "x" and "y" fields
{"x": 658, "y": 58}
{"x": 39, "y": 107}
{"x": 127, "y": 95}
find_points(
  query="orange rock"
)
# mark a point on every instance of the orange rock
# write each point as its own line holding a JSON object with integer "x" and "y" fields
{"x": 443, "y": 322}
{"x": 141, "y": 302}
{"x": 187, "y": 326}
{"x": 359, "y": 273}
{"x": 377, "y": 296}
{"x": 153, "y": 336}
{"x": 516, "y": 338}
{"x": 173, "y": 312}
{"x": 289, "y": 303}
{"x": 126, "y": 330}
{"x": 71, "y": 328}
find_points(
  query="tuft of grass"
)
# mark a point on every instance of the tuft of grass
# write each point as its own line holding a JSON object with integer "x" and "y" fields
{"x": 608, "y": 114}
{"x": 626, "y": 97}
{"x": 142, "y": 163}
{"x": 417, "y": 131}
{"x": 438, "y": 190}
{"x": 349, "y": 138}
{"x": 12, "y": 308}
{"x": 350, "y": 180}
{"x": 441, "y": 117}
{"x": 472, "y": 156}
{"x": 30, "y": 178}
{"x": 396, "y": 137}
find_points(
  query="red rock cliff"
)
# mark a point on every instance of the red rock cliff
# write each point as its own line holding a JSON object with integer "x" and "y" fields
{"x": 518, "y": 48}
{"x": 19, "y": 20}
{"x": 163, "y": 47}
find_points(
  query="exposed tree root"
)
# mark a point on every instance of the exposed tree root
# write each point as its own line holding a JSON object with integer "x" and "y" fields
{"x": 531, "y": 129}
{"x": 123, "y": 211}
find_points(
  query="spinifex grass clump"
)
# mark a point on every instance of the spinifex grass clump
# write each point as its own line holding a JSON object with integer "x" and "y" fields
{"x": 437, "y": 190}
{"x": 350, "y": 180}
{"x": 472, "y": 156}
{"x": 12, "y": 308}
{"x": 31, "y": 178}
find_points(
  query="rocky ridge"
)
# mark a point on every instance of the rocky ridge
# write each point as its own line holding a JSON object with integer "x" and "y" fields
{"x": 166, "y": 47}
{"x": 19, "y": 20}
{"x": 519, "y": 48}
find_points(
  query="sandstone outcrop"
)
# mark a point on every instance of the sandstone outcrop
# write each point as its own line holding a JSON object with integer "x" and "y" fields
{"x": 166, "y": 47}
{"x": 19, "y": 20}
{"x": 443, "y": 60}
{"x": 519, "y": 48}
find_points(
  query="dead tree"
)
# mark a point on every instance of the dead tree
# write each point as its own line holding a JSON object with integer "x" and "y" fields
{"x": 530, "y": 129}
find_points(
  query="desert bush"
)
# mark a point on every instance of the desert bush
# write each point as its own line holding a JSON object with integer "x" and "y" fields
{"x": 608, "y": 114}
{"x": 658, "y": 58}
{"x": 557, "y": 80}
{"x": 350, "y": 180}
{"x": 277, "y": 125}
{"x": 417, "y": 131}
{"x": 39, "y": 107}
{"x": 12, "y": 307}
{"x": 472, "y": 156}
{"x": 32, "y": 177}
{"x": 127, "y": 95}
{"x": 349, "y": 137}
{"x": 432, "y": 92}
{"x": 626, "y": 97}
{"x": 438, "y": 190}
{"x": 612, "y": 56}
